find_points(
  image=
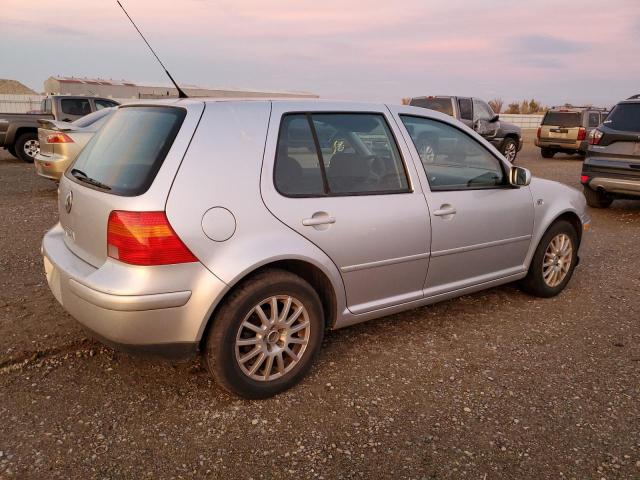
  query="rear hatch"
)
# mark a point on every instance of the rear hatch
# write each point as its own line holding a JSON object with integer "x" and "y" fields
{"x": 128, "y": 165}
{"x": 560, "y": 126}
{"x": 619, "y": 145}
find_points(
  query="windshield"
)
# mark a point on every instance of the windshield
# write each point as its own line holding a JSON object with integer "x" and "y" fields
{"x": 624, "y": 117}
{"x": 562, "y": 119}
{"x": 92, "y": 118}
{"x": 125, "y": 155}
{"x": 439, "y": 104}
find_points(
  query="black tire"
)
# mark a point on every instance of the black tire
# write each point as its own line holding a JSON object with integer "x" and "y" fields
{"x": 547, "y": 152}
{"x": 509, "y": 147}
{"x": 220, "y": 349}
{"x": 20, "y": 146}
{"x": 597, "y": 198}
{"x": 534, "y": 282}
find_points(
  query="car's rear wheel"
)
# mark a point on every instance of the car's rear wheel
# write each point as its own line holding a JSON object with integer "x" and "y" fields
{"x": 553, "y": 262}
{"x": 510, "y": 149}
{"x": 547, "y": 152}
{"x": 266, "y": 335}
{"x": 27, "y": 146}
{"x": 597, "y": 198}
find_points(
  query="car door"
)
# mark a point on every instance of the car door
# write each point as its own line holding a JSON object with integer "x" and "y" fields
{"x": 340, "y": 179}
{"x": 481, "y": 226}
{"x": 483, "y": 119}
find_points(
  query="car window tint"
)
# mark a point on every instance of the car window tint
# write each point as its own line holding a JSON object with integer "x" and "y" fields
{"x": 481, "y": 111}
{"x": 624, "y": 117}
{"x": 358, "y": 155}
{"x": 466, "y": 109}
{"x": 90, "y": 119}
{"x": 297, "y": 167}
{"x": 75, "y": 106}
{"x": 100, "y": 104}
{"x": 439, "y": 104}
{"x": 562, "y": 119}
{"x": 361, "y": 155}
{"x": 594, "y": 119}
{"x": 452, "y": 160}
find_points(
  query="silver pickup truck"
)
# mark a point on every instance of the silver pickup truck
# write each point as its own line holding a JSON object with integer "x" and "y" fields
{"x": 475, "y": 113}
{"x": 19, "y": 131}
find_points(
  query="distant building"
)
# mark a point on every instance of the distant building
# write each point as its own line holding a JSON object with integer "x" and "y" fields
{"x": 124, "y": 89}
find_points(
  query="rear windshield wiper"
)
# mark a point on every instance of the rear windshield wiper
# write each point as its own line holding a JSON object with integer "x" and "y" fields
{"x": 83, "y": 177}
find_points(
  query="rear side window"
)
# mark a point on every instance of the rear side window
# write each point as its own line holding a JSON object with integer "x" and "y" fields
{"x": 624, "y": 117}
{"x": 562, "y": 119}
{"x": 100, "y": 104}
{"x": 90, "y": 119}
{"x": 466, "y": 108}
{"x": 75, "y": 106}
{"x": 127, "y": 152}
{"x": 594, "y": 119}
{"x": 439, "y": 104}
{"x": 322, "y": 154}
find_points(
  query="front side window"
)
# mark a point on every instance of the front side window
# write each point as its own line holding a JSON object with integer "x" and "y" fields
{"x": 466, "y": 108}
{"x": 451, "y": 159}
{"x": 322, "y": 154}
{"x": 75, "y": 106}
{"x": 482, "y": 111}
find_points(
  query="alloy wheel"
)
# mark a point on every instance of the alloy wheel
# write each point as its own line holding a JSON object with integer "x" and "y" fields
{"x": 272, "y": 338}
{"x": 31, "y": 147}
{"x": 557, "y": 260}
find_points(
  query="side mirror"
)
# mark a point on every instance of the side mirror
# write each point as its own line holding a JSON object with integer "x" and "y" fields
{"x": 519, "y": 177}
{"x": 495, "y": 118}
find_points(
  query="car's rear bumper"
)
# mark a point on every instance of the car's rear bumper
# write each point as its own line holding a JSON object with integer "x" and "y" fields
{"x": 50, "y": 167}
{"x": 612, "y": 176}
{"x": 128, "y": 306}
{"x": 558, "y": 144}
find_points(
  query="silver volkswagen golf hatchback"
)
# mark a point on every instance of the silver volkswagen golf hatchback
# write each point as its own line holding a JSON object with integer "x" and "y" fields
{"x": 245, "y": 229}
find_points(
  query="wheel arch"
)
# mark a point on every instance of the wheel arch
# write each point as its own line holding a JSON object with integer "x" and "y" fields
{"x": 305, "y": 269}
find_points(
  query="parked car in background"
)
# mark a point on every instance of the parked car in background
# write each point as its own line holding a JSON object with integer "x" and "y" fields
{"x": 478, "y": 115}
{"x": 19, "y": 131}
{"x": 611, "y": 168}
{"x": 565, "y": 129}
{"x": 162, "y": 247}
{"x": 60, "y": 142}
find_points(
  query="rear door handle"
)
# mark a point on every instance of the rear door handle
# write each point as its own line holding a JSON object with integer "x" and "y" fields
{"x": 320, "y": 220}
{"x": 445, "y": 210}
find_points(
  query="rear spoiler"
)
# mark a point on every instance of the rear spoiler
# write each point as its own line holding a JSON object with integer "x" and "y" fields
{"x": 56, "y": 125}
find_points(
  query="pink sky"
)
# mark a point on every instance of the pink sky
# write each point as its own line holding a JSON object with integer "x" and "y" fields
{"x": 556, "y": 51}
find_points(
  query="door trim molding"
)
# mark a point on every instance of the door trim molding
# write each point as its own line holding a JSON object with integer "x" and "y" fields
{"x": 479, "y": 246}
{"x": 383, "y": 263}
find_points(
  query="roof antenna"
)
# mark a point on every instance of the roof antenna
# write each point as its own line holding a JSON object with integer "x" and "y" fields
{"x": 181, "y": 94}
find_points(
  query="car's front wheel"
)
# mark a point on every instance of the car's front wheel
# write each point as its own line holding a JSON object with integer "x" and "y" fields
{"x": 510, "y": 149}
{"x": 553, "y": 262}
{"x": 265, "y": 335}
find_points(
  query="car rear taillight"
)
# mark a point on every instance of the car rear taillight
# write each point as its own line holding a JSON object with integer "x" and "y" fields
{"x": 595, "y": 136}
{"x": 582, "y": 133}
{"x": 59, "y": 138}
{"x": 584, "y": 179}
{"x": 538, "y": 134}
{"x": 145, "y": 238}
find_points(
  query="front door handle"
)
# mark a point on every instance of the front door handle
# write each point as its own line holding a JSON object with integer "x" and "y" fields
{"x": 318, "y": 220}
{"x": 444, "y": 211}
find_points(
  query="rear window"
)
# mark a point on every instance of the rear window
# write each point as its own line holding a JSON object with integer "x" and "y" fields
{"x": 624, "y": 117}
{"x": 439, "y": 104}
{"x": 76, "y": 106}
{"x": 91, "y": 118}
{"x": 562, "y": 119}
{"x": 127, "y": 152}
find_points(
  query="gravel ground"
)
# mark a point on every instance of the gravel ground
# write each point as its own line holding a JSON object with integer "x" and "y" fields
{"x": 492, "y": 385}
